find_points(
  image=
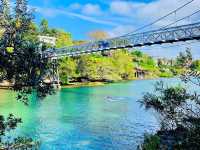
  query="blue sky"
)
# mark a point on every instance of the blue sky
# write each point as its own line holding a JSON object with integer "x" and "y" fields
{"x": 117, "y": 17}
{"x": 80, "y": 17}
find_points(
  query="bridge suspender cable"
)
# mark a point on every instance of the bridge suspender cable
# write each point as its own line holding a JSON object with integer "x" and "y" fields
{"x": 161, "y": 18}
{"x": 196, "y": 12}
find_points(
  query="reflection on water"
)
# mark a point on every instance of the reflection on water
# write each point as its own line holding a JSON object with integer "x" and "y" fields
{"x": 91, "y": 118}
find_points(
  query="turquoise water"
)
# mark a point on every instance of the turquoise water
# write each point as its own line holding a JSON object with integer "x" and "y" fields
{"x": 89, "y": 118}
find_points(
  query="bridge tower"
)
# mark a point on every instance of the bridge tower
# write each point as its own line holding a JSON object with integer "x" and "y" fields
{"x": 54, "y": 75}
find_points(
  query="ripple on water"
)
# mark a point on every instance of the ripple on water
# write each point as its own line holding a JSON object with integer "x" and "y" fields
{"x": 82, "y": 119}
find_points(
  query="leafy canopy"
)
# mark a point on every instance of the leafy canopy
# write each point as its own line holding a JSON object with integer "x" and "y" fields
{"x": 20, "y": 53}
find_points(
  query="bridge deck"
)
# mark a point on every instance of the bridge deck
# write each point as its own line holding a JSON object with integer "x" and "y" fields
{"x": 167, "y": 35}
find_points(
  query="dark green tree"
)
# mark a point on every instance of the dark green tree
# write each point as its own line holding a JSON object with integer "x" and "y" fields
{"x": 8, "y": 124}
{"x": 195, "y": 65}
{"x": 20, "y": 58}
{"x": 44, "y": 27}
{"x": 184, "y": 59}
{"x": 21, "y": 62}
{"x": 179, "y": 113}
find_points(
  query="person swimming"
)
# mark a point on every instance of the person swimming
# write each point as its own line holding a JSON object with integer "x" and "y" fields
{"x": 110, "y": 98}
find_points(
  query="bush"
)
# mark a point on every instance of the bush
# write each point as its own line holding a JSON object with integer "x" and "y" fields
{"x": 179, "y": 114}
{"x": 151, "y": 142}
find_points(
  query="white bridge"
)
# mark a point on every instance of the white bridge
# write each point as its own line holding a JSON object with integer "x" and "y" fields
{"x": 160, "y": 36}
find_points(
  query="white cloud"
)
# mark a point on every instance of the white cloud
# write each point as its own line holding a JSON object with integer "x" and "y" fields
{"x": 126, "y": 8}
{"x": 53, "y": 12}
{"x": 121, "y": 30}
{"x": 86, "y": 9}
{"x": 75, "y": 6}
{"x": 148, "y": 12}
{"x": 91, "y": 9}
{"x": 162, "y": 7}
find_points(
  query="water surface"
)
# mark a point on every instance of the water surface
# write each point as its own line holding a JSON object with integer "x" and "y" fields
{"x": 88, "y": 118}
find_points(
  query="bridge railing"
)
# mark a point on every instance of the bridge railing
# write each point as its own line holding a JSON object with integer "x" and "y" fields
{"x": 166, "y": 35}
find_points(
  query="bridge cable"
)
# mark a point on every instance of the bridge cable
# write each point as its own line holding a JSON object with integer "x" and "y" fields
{"x": 196, "y": 12}
{"x": 161, "y": 18}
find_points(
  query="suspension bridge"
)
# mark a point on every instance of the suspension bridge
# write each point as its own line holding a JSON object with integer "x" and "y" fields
{"x": 160, "y": 36}
{"x": 166, "y": 34}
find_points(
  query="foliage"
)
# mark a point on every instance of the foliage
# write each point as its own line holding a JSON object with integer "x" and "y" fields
{"x": 98, "y": 35}
{"x": 79, "y": 42}
{"x": 8, "y": 124}
{"x": 119, "y": 65}
{"x": 166, "y": 74}
{"x": 96, "y": 67}
{"x": 151, "y": 142}
{"x": 21, "y": 63}
{"x": 16, "y": 47}
{"x": 144, "y": 61}
{"x": 179, "y": 113}
{"x": 137, "y": 53}
{"x": 123, "y": 62}
{"x": 44, "y": 27}
{"x": 87, "y": 67}
{"x": 1, "y": 32}
{"x": 63, "y": 39}
{"x": 67, "y": 69}
{"x": 195, "y": 65}
{"x": 184, "y": 59}
{"x": 167, "y": 101}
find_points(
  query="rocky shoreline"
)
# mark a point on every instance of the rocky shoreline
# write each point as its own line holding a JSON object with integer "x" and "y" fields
{"x": 8, "y": 85}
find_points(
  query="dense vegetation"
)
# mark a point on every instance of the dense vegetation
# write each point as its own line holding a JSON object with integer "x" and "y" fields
{"x": 97, "y": 67}
{"x": 62, "y": 38}
{"x": 121, "y": 65}
{"x": 178, "y": 109}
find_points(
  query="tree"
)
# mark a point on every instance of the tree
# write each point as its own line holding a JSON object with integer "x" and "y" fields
{"x": 79, "y": 42}
{"x": 67, "y": 69}
{"x": 123, "y": 63}
{"x": 1, "y": 32}
{"x": 179, "y": 113}
{"x": 44, "y": 27}
{"x": 98, "y": 67}
{"x": 8, "y": 124}
{"x": 195, "y": 65}
{"x": 137, "y": 53}
{"x": 107, "y": 70}
{"x": 21, "y": 61}
{"x": 166, "y": 101}
{"x": 98, "y": 35}
{"x": 87, "y": 66}
{"x": 184, "y": 59}
{"x": 63, "y": 39}
{"x": 16, "y": 47}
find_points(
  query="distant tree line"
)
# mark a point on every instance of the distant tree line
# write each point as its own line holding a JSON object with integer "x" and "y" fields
{"x": 122, "y": 65}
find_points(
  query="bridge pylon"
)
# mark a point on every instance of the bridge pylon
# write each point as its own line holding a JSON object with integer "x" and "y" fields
{"x": 54, "y": 75}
